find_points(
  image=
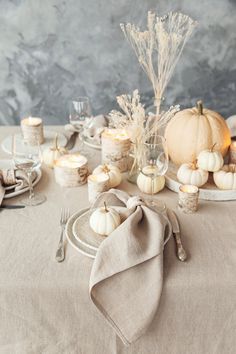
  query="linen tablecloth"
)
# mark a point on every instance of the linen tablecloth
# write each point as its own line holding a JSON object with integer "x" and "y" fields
{"x": 45, "y": 306}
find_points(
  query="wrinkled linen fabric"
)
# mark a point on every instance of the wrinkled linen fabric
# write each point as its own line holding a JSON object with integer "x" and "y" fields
{"x": 127, "y": 273}
{"x": 45, "y": 306}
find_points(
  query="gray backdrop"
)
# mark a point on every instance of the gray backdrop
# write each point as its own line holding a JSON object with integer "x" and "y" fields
{"x": 54, "y": 50}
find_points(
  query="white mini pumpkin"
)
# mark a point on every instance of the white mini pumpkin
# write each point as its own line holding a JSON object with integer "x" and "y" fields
{"x": 226, "y": 177}
{"x": 104, "y": 220}
{"x": 113, "y": 172}
{"x": 144, "y": 183}
{"x": 53, "y": 153}
{"x": 210, "y": 160}
{"x": 189, "y": 173}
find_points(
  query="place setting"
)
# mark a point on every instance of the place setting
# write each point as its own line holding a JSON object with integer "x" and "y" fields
{"x": 124, "y": 216}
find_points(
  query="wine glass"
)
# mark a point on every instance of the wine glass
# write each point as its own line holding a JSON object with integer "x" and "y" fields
{"x": 28, "y": 158}
{"x": 154, "y": 164}
{"x": 79, "y": 113}
{"x": 80, "y": 110}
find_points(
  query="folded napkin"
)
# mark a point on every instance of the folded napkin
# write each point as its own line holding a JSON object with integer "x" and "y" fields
{"x": 127, "y": 273}
{"x": 92, "y": 128}
{"x": 13, "y": 180}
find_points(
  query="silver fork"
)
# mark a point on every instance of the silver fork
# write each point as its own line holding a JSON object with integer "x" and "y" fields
{"x": 60, "y": 254}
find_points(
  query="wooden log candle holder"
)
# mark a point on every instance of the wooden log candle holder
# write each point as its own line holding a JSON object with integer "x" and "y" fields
{"x": 32, "y": 130}
{"x": 96, "y": 185}
{"x": 71, "y": 170}
{"x": 115, "y": 148}
{"x": 188, "y": 198}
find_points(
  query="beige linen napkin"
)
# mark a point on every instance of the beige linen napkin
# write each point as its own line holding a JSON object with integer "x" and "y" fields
{"x": 127, "y": 273}
{"x": 17, "y": 179}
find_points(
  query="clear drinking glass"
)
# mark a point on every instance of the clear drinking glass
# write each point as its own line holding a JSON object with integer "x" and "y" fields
{"x": 28, "y": 158}
{"x": 154, "y": 164}
{"x": 79, "y": 112}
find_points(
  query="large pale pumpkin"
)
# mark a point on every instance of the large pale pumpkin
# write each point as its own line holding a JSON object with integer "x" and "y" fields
{"x": 193, "y": 130}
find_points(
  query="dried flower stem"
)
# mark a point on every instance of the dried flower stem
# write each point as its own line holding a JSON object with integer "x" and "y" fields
{"x": 159, "y": 47}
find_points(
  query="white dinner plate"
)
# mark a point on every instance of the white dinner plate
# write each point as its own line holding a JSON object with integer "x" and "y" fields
{"x": 86, "y": 251}
{"x": 49, "y": 136}
{"x": 90, "y": 143}
{"x": 85, "y": 235}
{"x": 8, "y": 164}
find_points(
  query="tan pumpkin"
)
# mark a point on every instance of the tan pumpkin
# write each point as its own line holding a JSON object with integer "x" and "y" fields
{"x": 189, "y": 173}
{"x": 225, "y": 178}
{"x": 113, "y": 172}
{"x": 193, "y": 130}
{"x": 210, "y": 160}
{"x": 53, "y": 153}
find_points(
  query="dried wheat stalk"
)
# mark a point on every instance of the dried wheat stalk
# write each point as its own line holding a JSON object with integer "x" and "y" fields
{"x": 159, "y": 47}
{"x": 138, "y": 126}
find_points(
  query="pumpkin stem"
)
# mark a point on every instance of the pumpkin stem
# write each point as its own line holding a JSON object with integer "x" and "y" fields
{"x": 212, "y": 148}
{"x": 105, "y": 207}
{"x": 106, "y": 169}
{"x": 200, "y": 107}
{"x": 194, "y": 164}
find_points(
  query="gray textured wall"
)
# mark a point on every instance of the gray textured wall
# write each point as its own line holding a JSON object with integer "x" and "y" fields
{"x": 53, "y": 50}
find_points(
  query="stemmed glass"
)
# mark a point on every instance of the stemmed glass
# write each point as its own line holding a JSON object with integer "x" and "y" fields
{"x": 28, "y": 158}
{"x": 79, "y": 112}
{"x": 154, "y": 164}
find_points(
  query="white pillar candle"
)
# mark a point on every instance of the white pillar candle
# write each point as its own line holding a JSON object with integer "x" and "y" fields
{"x": 71, "y": 170}
{"x": 115, "y": 148}
{"x": 188, "y": 198}
{"x": 232, "y": 152}
{"x": 96, "y": 185}
{"x": 32, "y": 130}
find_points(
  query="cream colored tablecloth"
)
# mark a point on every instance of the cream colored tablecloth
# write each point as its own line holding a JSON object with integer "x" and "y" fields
{"x": 45, "y": 307}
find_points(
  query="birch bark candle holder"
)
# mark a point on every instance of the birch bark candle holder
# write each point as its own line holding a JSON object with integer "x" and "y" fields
{"x": 32, "y": 130}
{"x": 188, "y": 198}
{"x": 96, "y": 185}
{"x": 232, "y": 152}
{"x": 71, "y": 170}
{"x": 115, "y": 148}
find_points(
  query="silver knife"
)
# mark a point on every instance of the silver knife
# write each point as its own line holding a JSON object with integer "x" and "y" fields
{"x": 72, "y": 140}
{"x": 12, "y": 206}
{"x": 181, "y": 253}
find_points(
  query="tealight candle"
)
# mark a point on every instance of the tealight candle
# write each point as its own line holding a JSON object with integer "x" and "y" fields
{"x": 115, "y": 148}
{"x": 96, "y": 185}
{"x": 232, "y": 152}
{"x": 188, "y": 198}
{"x": 71, "y": 170}
{"x": 32, "y": 129}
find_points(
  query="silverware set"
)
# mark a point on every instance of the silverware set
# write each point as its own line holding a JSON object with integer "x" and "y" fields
{"x": 180, "y": 251}
{"x": 60, "y": 253}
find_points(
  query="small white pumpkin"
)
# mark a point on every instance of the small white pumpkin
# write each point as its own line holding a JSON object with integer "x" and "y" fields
{"x": 104, "y": 220}
{"x": 145, "y": 182}
{"x": 226, "y": 177}
{"x": 210, "y": 160}
{"x": 189, "y": 173}
{"x": 53, "y": 153}
{"x": 113, "y": 172}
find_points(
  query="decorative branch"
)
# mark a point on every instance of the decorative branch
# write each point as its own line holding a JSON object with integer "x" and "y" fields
{"x": 159, "y": 47}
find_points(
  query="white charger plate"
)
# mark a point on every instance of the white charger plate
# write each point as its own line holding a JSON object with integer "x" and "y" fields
{"x": 90, "y": 143}
{"x": 5, "y": 164}
{"x": 77, "y": 245}
{"x": 49, "y": 136}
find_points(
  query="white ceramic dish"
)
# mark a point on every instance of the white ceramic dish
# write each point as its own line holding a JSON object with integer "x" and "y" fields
{"x": 49, "y": 136}
{"x": 207, "y": 192}
{"x": 78, "y": 246}
{"x": 90, "y": 143}
{"x": 5, "y": 164}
